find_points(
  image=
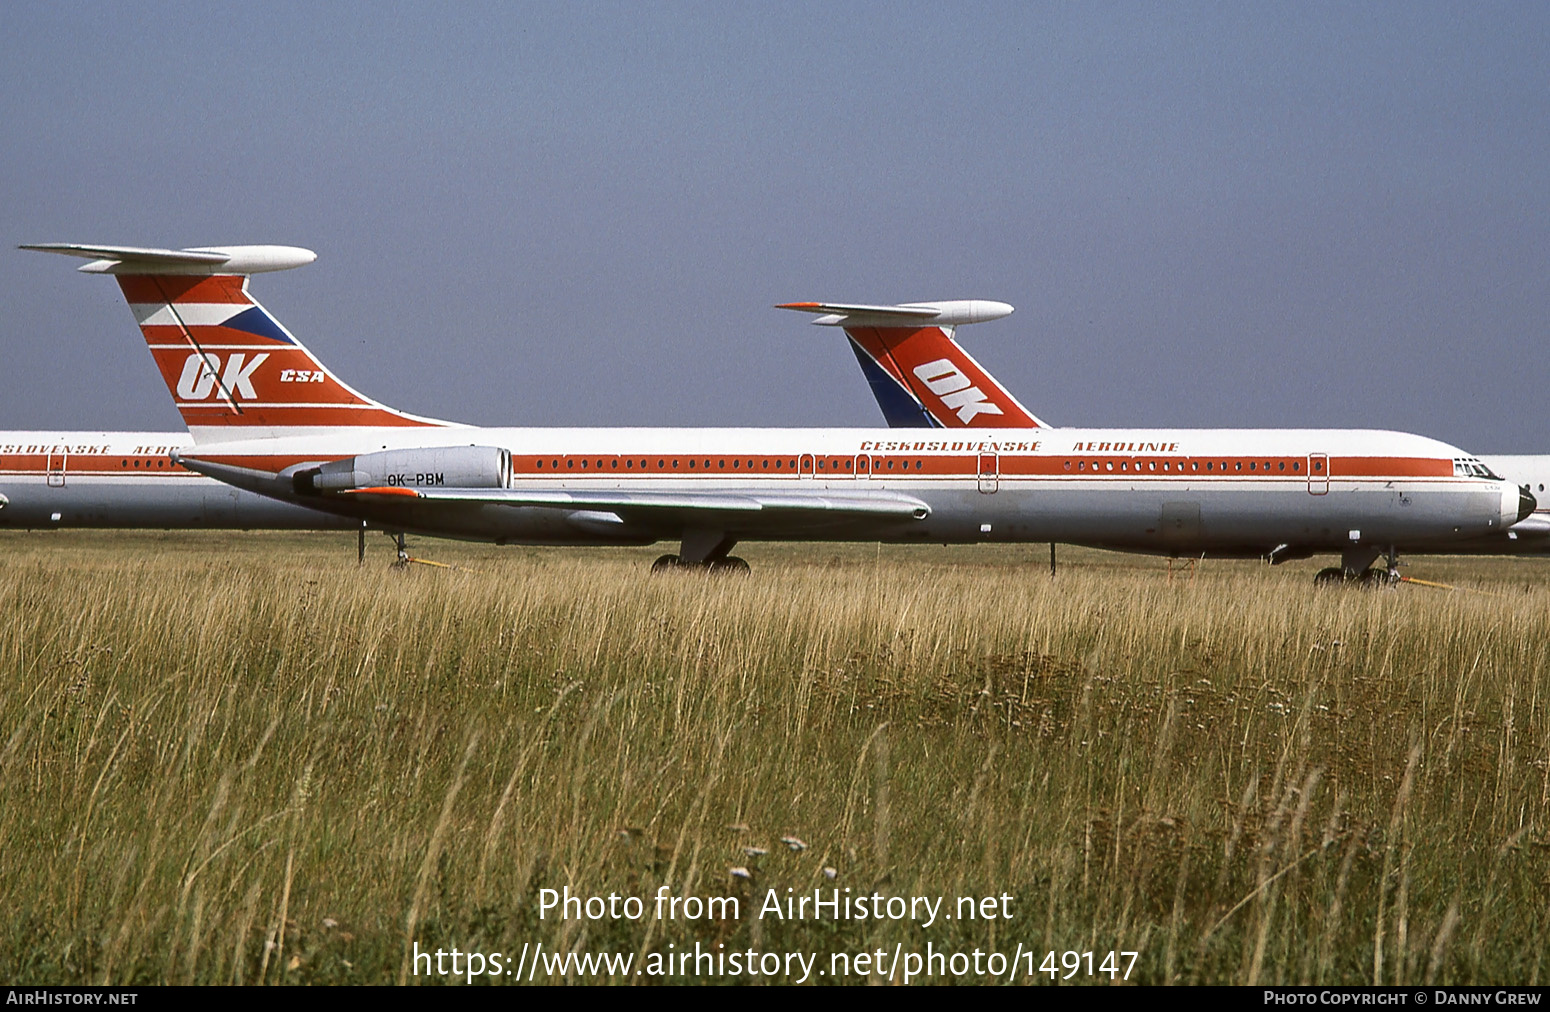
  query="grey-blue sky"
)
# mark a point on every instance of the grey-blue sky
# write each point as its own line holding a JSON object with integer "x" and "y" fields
{"x": 568, "y": 214}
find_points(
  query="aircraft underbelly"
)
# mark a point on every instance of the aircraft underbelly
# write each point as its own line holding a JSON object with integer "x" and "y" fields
{"x": 156, "y": 503}
{"x": 1205, "y": 519}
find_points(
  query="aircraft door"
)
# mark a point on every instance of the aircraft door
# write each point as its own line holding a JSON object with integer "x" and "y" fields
{"x": 989, "y": 472}
{"x": 1318, "y": 473}
{"x": 863, "y": 466}
{"x": 56, "y": 468}
{"x": 807, "y": 466}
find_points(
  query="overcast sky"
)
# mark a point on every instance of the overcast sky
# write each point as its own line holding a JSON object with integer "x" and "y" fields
{"x": 1237, "y": 215}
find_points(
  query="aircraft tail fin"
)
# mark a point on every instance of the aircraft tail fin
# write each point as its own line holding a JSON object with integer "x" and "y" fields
{"x": 233, "y": 370}
{"x": 919, "y": 374}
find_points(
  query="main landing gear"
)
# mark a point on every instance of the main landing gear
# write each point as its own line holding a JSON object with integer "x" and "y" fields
{"x": 702, "y": 552}
{"x": 1356, "y": 567}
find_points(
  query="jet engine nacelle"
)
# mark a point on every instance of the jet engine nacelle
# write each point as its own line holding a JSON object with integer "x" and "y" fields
{"x": 427, "y": 467}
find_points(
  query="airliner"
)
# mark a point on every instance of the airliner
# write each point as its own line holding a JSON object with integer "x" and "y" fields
{"x": 51, "y": 480}
{"x": 268, "y": 417}
{"x": 922, "y": 377}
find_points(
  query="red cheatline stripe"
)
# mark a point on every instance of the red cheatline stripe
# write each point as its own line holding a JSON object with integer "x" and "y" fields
{"x": 955, "y": 467}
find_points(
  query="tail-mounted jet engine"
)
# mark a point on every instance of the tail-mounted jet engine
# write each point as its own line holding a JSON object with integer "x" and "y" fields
{"x": 427, "y": 467}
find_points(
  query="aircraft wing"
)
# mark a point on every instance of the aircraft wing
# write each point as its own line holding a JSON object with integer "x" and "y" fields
{"x": 677, "y": 505}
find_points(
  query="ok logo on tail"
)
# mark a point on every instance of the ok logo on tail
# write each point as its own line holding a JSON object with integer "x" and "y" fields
{"x": 197, "y": 380}
{"x": 957, "y": 392}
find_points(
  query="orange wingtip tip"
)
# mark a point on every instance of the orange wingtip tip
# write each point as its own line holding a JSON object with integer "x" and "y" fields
{"x": 382, "y": 490}
{"x": 799, "y": 305}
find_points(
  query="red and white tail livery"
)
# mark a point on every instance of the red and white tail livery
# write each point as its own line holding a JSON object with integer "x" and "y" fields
{"x": 920, "y": 376}
{"x": 233, "y": 370}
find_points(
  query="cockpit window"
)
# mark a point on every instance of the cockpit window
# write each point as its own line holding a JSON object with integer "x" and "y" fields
{"x": 1469, "y": 467}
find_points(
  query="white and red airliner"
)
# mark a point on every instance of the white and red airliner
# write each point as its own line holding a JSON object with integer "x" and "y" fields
{"x": 266, "y": 416}
{"x": 922, "y": 377}
{"x": 56, "y": 480}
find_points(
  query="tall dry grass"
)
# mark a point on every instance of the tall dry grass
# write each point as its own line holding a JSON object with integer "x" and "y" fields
{"x": 242, "y": 759}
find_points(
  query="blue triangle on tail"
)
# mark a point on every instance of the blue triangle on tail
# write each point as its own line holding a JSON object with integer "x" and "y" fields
{"x": 256, "y": 321}
{"x": 900, "y": 407}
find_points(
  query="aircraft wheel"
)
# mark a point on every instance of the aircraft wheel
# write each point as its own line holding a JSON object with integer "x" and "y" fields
{"x": 666, "y": 564}
{"x": 730, "y": 564}
{"x": 1326, "y": 577}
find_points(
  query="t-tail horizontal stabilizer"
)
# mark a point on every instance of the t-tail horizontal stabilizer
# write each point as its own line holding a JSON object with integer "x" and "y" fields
{"x": 206, "y": 260}
{"x": 919, "y": 375}
{"x": 233, "y": 370}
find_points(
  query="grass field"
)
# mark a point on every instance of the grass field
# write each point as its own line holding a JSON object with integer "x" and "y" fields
{"x": 240, "y": 758}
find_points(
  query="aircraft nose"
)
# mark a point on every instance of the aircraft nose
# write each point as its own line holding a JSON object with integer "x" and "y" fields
{"x": 1527, "y": 504}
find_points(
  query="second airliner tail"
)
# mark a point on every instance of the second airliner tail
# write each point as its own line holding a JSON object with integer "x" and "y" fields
{"x": 920, "y": 376}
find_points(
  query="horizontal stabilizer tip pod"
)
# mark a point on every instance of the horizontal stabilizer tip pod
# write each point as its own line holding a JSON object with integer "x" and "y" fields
{"x": 910, "y": 314}
{"x": 198, "y": 261}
